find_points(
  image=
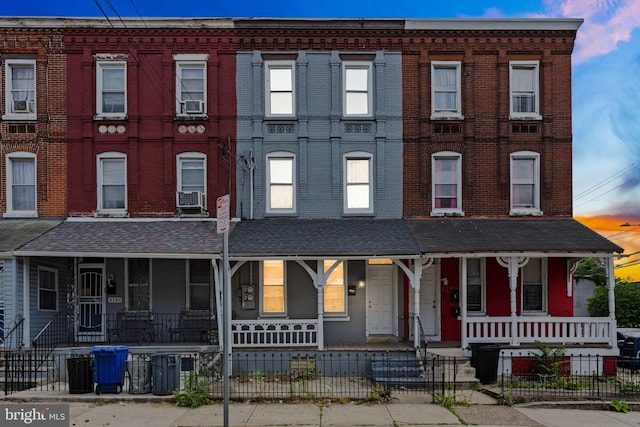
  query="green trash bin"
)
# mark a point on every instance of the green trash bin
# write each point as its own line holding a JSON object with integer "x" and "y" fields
{"x": 165, "y": 371}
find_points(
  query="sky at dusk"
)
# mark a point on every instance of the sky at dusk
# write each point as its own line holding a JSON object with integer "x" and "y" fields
{"x": 606, "y": 81}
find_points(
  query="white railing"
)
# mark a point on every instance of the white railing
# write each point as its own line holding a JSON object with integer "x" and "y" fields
{"x": 559, "y": 330}
{"x": 275, "y": 332}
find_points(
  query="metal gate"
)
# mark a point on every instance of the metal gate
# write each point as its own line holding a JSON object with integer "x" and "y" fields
{"x": 91, "y": 324}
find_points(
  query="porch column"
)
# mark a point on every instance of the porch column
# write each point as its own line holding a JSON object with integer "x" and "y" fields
{"x": 611, "y": 284}
{"x": 26, "y": 304}
{"x": 513, "y": 264}
{"x": 414, "y": 281}
{"x": 463, "y": 302}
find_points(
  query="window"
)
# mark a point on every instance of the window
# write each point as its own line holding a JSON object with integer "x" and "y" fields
{"x": 112, "y": 182}
{"x": 475, "y": 285}
{"x": 47, "y": 289}
{"x": 21, "y": 184}
{"x": 280, "y": 84}
{"x": 20, "y": 86}
{"x": 358, "y": 196}
{"x": 525, "y": 96}
{"x": 281, "y": 183}
{"x": 273, "y": 288}
{"x": 111, "y": 99}
{"x": 191, "y": 84}
{"x": 447, "y": 184}
{"x": 525, "y": 183}
{"x": 357, "y": 89}
{"x": 334, "y": 294}
{"x": 198, "y": 284}
{"x": 445, "y": 89}
{"x": 534, "y": 290}
{"x": 192, "y": 174}
{"x": 138, "y": 284}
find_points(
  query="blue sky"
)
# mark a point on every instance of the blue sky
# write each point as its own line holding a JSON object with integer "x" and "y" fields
{"x": 606, "y": 70}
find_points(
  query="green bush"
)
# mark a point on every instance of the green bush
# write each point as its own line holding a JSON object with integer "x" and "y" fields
{"x": 627, "y": 296}
{"x": 195, "y": 394}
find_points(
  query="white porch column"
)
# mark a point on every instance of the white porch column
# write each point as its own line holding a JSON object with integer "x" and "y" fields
{"x": 415, "y": 277}
{"x": 26, "y": 325}
{"x": 611, "y": 284}
{"x": 513, "y": 264}
{"x": 463, "y": 302}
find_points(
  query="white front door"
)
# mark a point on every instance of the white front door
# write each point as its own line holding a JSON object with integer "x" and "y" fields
{"x": 91, "y": 324}
{"x": 380, "y": 297}
{"x": 429, "y": 297}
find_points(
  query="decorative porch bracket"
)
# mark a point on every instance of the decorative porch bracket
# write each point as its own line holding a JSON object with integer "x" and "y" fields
{"x": 414, "y": 281}
{"x": 607, "y": 263}
{"x": 513, "y": 264}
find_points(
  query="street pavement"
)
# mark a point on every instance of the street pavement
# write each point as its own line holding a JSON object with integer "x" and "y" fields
{"x": 473, "y": 408}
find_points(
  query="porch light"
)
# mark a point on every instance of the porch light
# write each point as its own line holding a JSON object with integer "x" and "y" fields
{"x": 361, "y": 283}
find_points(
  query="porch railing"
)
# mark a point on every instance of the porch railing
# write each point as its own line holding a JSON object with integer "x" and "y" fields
{"x": 518, "y": 330}
{"x": 13, "y": 338}
{"x": 275, "y": 332}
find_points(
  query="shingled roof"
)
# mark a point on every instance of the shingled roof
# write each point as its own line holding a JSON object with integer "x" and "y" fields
{"x": 508, "y": 235}
{"x": 175, "y": 239}
{"x": 15, "y": 233}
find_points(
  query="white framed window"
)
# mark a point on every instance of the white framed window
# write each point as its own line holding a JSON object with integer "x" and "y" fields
{"x": 273, "y": 301}
{"x": 281, "y": 185}
{"x": 20, "y": 89}
{"x": 280, "y": 88}
{"x": 192, "y": 174}
{"x": 111, "y": 82}
{"x": 358, "y": 83}
{"x": 476, "y": 293}
{"x": 47, "y": 289}
{"x": 138, "y": 296}
{"x": 446, "y": 183}
{"x": 446, "y": 89}
{"x": 334, "y": 294}
{"x": 358, "y": 192}
{"x": 191, "y": 84}
{"x": 534, "y": 286}
{"x": 524, "y": 89}
{"x": 21, "y": 184}
{"x": 112, "y": 182}
{"x": 525, "y": 183}
{"x": 198, "y": 284}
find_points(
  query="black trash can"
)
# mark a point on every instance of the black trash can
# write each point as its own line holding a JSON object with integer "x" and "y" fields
{"x": 80, "y": 374}
{"x": 165, "y": 372}
{"x": 485, "y": 358}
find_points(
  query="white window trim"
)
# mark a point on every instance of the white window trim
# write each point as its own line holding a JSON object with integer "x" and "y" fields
{"x": 31, "y": 113}
{"x": 535, "y": 115}
{"x": 334, "y": 315}
{"x": 185, "y": 60}
{"x": 127, "y": 303}
{"x": 100, "y": 66}
{"x": 56, "y": 289}
{"x": 112, "y": 155}
{"x": 284, "y": 284}
{"x": 283, "y": 155}
{"x": 195, "y": 156}
{"x": 435, "y": 115}
{"x": 483, "y": 289}
{"x": 10, "y": 212}
{"x": 291, "y": 65}
{"x": 545, "y": 289}
{"x": 189, "y": 284}
{"x": 357, "y": 155}
{"x": 446, "y": 211}
{"x": 357, "y": 65}
{"x": 520, "y": 211}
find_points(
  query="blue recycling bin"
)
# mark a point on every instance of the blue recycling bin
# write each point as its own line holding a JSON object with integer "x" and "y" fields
{"x": 110, "y": 364}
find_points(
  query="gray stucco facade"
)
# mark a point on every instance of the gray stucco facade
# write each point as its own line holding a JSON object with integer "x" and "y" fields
{"x": 318, "y": 135}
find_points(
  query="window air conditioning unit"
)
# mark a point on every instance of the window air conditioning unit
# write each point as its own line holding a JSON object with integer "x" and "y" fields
{"x": 20, "y": 106}
{"x": 193, "y": 106}
{"x": 190, "y": 199}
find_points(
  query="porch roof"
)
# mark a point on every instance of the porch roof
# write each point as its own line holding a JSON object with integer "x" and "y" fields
{"x": 132, "y": 238}
{"x": 323, "y": 238}
{"x": 16, "y": 232}
{"x": 508, "y": 235}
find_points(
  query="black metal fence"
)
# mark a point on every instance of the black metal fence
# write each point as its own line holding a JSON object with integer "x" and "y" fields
{"x": 523, "y": 378}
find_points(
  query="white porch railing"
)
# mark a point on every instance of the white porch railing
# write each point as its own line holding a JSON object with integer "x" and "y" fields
{"x": 275, "y": 332}
{"x": 556, "y": 330}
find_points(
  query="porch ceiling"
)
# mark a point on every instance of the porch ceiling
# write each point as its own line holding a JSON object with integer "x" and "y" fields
{"x": 158, "y": 239}
{"x": 15, "y": 233}
{"x": 508, "y": 235}
{"x": 323, "y": 237}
